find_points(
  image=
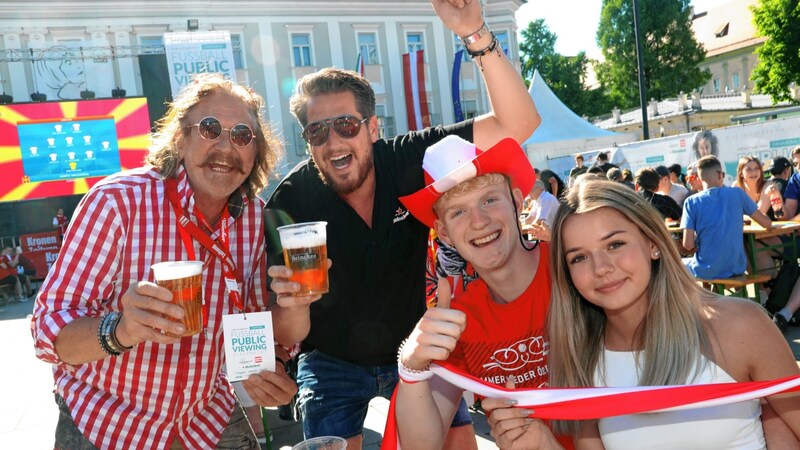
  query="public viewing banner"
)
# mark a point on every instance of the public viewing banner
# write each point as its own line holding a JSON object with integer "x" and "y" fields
{"x": 764, "y": 140}
{"x": 193, "y": 52}
{"x": 41, "y": 249}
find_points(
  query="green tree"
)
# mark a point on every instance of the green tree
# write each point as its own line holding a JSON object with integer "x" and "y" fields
{"x": 537, "y": 47}
{"x": 779, "y": 57}
{"x": 566, "y": 75}
{"x": 671, "y": 53}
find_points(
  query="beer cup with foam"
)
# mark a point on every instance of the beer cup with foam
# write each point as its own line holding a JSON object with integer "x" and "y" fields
{"x": 305, "y": 251}
{"x": 185, "y": 280}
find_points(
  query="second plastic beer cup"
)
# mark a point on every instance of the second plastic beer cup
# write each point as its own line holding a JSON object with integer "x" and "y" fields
{"x": 305, "y": 251}
{"x": 185, "y": 280}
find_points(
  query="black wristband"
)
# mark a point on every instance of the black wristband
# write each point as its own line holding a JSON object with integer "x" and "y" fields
{"x": 102, "y": 335}
{"x": 488, "y": 49}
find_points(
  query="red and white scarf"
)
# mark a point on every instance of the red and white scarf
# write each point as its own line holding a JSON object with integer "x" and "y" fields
{"x": 595, "y": 403}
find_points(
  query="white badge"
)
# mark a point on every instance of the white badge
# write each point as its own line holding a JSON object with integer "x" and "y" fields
{"x": 231, "y": 284}
{"x": 249, "y": 345}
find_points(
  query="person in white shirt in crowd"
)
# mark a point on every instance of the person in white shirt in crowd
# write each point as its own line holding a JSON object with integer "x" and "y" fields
{"x": 666, "y": 187}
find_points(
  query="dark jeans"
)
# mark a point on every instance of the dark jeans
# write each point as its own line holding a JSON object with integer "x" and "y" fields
{"x": 238, "y": 434}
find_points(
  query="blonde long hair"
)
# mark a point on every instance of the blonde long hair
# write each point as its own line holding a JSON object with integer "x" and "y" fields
{"x": 671, "y": 337}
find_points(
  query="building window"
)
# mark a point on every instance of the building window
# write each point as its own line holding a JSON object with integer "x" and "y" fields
{"x": 368, "y": 46}
{"x": 469, "y": 108}
{"x": 236, "y": 47}
{"x": 502, "y": 39}
{"x": 735, "y": 82}
{"x": 717, "y": 85}
{"x": 151, "y": 45}
{"x": 301, "y": 50}
{"x": 414, "y": 42}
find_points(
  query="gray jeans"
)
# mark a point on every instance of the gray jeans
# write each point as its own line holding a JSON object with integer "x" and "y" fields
{"x": 238, "y": 435}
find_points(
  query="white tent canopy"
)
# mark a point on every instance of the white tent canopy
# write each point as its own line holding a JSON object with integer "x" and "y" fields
{"x": 562, "y": 132}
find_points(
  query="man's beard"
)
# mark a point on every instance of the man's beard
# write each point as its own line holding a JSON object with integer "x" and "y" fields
{"x": 348, "y": 186}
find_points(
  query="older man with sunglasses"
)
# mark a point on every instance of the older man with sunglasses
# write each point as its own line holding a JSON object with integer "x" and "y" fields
{"x": 121, "y": 380}
{"x": 353, "y": 180}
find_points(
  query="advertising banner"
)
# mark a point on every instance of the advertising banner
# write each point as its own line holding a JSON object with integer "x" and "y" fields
{"x": 764, "y": 140}
{"x": 42, "y": 249}
{"x": 193, "y": 52}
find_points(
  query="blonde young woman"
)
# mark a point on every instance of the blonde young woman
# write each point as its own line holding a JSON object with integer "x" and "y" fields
{"x": 624, "y": 312}
{"x": 750, "y": 178}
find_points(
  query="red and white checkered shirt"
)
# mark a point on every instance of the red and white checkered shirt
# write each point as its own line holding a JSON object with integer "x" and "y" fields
{"x": 147, "y": 396}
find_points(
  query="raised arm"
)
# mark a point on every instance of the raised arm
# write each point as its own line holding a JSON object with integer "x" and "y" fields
{"x": 426, "y": 408}
{"x": 513, "y": 112}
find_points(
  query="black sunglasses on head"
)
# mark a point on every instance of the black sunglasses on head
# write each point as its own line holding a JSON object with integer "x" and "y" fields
{"x": 346, "y": 126}
{"x": 211, "y": 129}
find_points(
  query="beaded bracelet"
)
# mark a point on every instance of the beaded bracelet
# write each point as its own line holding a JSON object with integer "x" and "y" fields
{"x": 113, "y": 335}
{"x": 409, "y": 375}
{"x": 101, "y": 336}
{"x": 106, "y": 334}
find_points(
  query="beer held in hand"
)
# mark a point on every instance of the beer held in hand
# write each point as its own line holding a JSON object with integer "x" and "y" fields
{"x": 185, "y": 280}
{"x": 305, "y": 251}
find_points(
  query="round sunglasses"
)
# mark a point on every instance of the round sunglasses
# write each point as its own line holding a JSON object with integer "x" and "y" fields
{"x": 346, "y": 126}
{"x": 211, "y": 129}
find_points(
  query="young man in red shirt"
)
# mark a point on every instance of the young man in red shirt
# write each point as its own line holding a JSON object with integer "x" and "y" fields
{"x": 495, "y": 329}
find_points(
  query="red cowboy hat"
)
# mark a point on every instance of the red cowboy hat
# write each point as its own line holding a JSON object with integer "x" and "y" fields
{"x": 454, "y": 160}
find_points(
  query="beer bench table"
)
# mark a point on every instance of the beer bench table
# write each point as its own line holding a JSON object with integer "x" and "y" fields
{"x": 753, "y": 232}
{"x": 738, "y": 284}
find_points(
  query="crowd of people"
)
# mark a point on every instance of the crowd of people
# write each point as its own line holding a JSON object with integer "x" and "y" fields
{"x": 590, "y": 283}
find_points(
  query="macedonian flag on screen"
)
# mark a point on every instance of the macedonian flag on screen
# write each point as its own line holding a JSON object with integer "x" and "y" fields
{"x": 60, "y": 148}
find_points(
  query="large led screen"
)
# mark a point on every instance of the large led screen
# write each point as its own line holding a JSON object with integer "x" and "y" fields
{"x": 62, "y": 148}
{"x": 68, "y": 148}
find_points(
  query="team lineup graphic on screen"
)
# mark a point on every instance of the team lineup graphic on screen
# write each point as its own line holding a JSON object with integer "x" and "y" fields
{"x": 68, "y": 148}
{"x": 63, "y": 148}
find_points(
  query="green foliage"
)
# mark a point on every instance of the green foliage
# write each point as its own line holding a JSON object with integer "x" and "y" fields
{"x": 536, "y": 49}
{"x": 565, "y": 75}
{"x": 671, "y": 53}
{"x": 779, "y": 57}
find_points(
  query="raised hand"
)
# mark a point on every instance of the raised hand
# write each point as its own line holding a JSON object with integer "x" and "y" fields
{"x": 436, "y": 334}
{"x": 462, "y": 17}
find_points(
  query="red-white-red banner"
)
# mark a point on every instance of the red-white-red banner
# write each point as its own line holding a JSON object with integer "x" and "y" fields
{"x": 595, "y": 403}
{"x": 416, "y": 99}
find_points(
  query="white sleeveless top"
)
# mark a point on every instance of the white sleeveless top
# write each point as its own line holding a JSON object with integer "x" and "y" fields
{"x": 734, "y": 426}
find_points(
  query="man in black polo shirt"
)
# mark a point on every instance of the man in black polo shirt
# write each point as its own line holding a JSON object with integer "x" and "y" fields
{"x": 353, "y": 181}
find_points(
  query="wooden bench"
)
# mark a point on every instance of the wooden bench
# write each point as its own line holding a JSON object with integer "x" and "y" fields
{"x": 738, "y": 284}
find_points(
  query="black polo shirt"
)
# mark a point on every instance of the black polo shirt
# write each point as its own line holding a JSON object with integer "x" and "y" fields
{"x": 377, "y": 281}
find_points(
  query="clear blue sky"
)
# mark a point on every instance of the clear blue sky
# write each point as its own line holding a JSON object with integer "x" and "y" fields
{"x": 575, "y": 21}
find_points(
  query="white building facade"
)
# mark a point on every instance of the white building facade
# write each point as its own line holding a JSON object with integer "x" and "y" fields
{"x": 63, "y": 47}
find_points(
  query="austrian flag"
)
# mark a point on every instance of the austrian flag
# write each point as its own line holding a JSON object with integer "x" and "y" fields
{"x": 416, "y": 99}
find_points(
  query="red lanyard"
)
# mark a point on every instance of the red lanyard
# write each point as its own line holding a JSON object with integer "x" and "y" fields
{"x": 218, "y": 247}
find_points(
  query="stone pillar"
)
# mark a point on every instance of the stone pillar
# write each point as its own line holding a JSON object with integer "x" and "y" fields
{"x": 97, "y": 62}
{"x": 125, "y": 64}
{"x": 16, "y": 84}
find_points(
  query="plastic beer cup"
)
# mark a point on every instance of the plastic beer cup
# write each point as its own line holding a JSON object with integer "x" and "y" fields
{"x": 322, "y": 443}
{"x": 185, "y": 280}
{"x": 305, "y": 251}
